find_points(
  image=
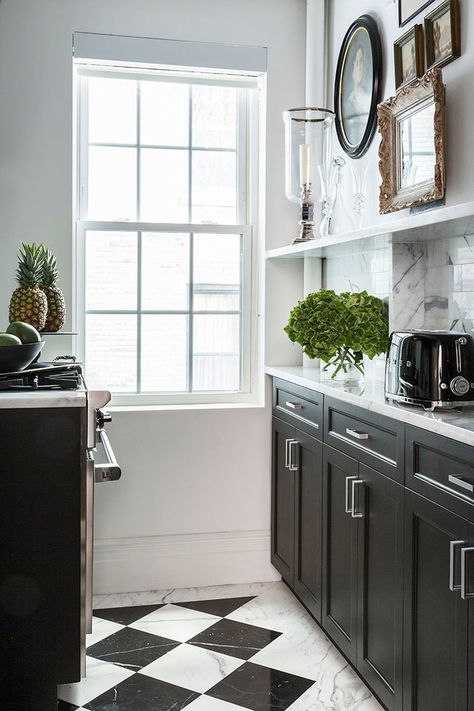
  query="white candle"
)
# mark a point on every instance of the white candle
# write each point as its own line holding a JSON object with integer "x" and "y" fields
{"x": 305, "y": 159}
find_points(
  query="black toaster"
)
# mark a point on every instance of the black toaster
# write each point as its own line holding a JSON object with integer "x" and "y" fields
{"x": 430, "y": 368}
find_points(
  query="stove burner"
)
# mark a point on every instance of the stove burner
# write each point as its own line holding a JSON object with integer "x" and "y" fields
{"x": 43, "y": 376}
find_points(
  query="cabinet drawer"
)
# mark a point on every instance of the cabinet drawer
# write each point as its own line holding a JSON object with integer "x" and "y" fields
{"x": 442, "y": 470}
{"x": 299, "y": 406}
{"x": 371, "y": 439}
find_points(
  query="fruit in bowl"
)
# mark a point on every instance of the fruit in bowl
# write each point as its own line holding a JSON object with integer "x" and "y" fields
{"x": 20, "y": 344}
{"x": 24, "y": 332}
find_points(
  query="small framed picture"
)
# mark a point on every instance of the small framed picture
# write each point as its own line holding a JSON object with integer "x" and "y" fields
{"x": 409, "y": 56}
{"x": 442, "y": 34}
{"x": 408, "y": 9}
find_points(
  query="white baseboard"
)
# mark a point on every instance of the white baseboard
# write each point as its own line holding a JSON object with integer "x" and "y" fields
{"x": 182, "y": 561}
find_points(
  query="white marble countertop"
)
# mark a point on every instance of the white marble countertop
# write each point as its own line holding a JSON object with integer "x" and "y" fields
{"x": 457, "y": 424}
{"x": 42, "y": 398}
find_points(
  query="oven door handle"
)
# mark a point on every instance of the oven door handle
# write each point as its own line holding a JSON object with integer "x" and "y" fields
{"x": 110, "y": 471}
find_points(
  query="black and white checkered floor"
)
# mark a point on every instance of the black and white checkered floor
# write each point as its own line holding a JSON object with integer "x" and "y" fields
{"x": 205, "y": 655}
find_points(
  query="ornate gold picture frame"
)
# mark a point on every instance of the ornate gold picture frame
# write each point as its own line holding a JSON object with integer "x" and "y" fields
{"x": 412, "y": 149}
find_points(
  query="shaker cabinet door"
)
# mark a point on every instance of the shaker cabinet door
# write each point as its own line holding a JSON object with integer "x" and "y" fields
{"x": 436, "y": 618}
{"x": 339, "y": 605}
{"x": 378, "y": 503}
{"x": 283, "y": 502}
{"x": 308, "y": 524}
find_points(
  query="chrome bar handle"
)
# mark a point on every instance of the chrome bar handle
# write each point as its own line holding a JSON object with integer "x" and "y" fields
{"x": 110, "y": 471}
{"x": 355, "y": 514}
{"x": 348, "y": 507}
{"x": 452, "y": 546}
{"x": 458, "y": 480}
{"x": 293, "y": 405}
{"x": 287, "y": 461}
{"x": 294, "y": 465}
{"x": 357, "y": 435}
{"x": 465, "y": 593}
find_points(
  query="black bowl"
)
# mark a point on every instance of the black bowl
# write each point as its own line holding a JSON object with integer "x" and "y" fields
{"x": 13, "y": 358}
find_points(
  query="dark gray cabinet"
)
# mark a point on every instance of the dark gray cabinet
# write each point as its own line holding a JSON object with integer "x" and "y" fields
{"x": 439, "y": 624}
{"x": 363, "y": 571}
{"x": 283, "y": 503}
{"x": 42, "y": 468}
{"x": 339, "y": 616}
{"x": 378, "y": 504}
{"x": 296, "y": 512}
{"x": 369, "y": 528}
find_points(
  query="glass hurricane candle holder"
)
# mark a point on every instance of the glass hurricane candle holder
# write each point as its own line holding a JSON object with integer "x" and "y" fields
{"x": 308, "y": 144}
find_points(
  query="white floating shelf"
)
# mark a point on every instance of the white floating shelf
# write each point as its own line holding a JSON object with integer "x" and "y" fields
{"x": 437, "y": 223}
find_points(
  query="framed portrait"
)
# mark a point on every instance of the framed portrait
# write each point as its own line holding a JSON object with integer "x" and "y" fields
{"x": 409, "y": 56}
{"x": 408, "y": 9}
{"x": 442, "y": 34}
{"x": 358, "y": 86}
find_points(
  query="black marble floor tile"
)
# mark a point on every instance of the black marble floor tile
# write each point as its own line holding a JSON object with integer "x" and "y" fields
{"x": 259, "y": 688}
{"x": 234, "y": 638}
{"x": 125, "y": 615}
{"x": 131, "y": 648}
{"x": 142, "y": 693}
{"x": 221, "y": 608}
{"x": 65, "y": 706}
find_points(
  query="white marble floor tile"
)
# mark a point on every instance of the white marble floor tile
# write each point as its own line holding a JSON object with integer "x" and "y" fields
{"x": 214, "y": 592}
{"x": 101, "y": 629}
{"x": 275, "y": 608}
{"x": 207, "y": 703}
{"x": 173, "y": 622}
{"x": 100, "y": 676}
{"x": 192, "y": 667}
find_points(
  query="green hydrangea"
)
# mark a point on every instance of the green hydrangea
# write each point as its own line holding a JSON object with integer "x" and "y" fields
{"x": 339, "y": 329}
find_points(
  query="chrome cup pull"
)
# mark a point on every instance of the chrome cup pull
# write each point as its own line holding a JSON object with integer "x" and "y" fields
{"x": 354, "y": 513}
{"x": 452, "y": 546}
{"x": 458, "y": 480}
{"x": 465, "y": 593}
{"x": 293, "y": 405}
{"x": 348, "y": 504}
{"x": 356, "y": 435}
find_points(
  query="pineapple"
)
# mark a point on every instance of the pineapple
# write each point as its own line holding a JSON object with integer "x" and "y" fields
{"x": 56, "y": 304}
{"x": 28, "y": 303}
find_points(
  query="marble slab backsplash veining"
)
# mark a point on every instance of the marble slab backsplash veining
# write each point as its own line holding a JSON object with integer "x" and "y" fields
{"x": 433, "y": 285}
{"x": 427, "y": 284}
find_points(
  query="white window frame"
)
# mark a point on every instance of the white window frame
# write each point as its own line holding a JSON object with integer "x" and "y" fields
{"x": 248, "y": 213}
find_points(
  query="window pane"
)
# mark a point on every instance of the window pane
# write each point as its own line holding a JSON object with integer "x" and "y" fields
{"x": 111, "y": 346}
{"x": 111, "y": 270}
{"x": 216, "y": 357}
{"x": 214, "y": 117}
{"x": 216, "y": 272}
{"x": 165, "y": 271}
{"x": 164, "y": 185}
{"x": 164, "y": 114}
{"x": 112, "y": 111}
{"x": 214, "y": 187}
{"x": 112, "y": 183}
{"x": 164, "y": 349}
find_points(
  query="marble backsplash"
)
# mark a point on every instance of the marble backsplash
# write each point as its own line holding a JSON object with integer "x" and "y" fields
{"x": 427, "y": 284}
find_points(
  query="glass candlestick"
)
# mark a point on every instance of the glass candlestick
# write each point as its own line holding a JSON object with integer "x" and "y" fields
{"x": 308, "y": 142}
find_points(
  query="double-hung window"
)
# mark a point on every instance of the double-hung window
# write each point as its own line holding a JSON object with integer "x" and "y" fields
{"x": 167, "y": 196}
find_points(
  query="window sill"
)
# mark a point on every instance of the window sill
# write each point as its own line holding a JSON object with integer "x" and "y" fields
{"x": 188, "y": 406}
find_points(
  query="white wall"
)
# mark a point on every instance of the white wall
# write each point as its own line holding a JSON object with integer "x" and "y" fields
{"x": 459, "y": 98}
{"x": 186, "y": 475}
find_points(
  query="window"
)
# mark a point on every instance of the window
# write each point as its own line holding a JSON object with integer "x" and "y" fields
{"x": 165, "y": 234}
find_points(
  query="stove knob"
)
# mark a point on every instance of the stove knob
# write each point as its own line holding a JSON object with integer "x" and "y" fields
{"x": 459, "y": 385}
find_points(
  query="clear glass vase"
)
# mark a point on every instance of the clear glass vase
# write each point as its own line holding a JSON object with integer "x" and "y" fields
{"x": 346, "y": 370}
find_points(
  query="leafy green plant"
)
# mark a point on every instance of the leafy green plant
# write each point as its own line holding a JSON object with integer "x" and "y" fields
{"x": 339, "y": 328}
